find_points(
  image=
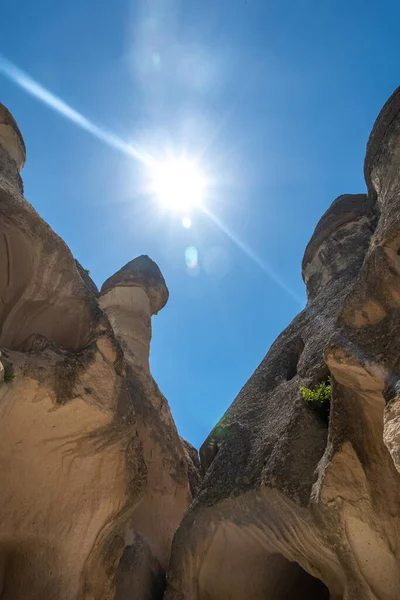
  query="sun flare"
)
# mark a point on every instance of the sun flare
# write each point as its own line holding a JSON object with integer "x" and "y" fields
{"x": 178, "y": 184}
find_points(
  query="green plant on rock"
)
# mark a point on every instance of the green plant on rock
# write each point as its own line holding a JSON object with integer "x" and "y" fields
{"x": 8, "y": 374}
{"x": 319, "y": 398}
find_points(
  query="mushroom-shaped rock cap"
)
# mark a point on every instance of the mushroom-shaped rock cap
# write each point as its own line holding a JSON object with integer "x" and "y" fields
{"x": 380, "y": 142}
{"x": 11, "y": 138}
{"x": 343, "y": 210}
{"x": 141, "y": 272}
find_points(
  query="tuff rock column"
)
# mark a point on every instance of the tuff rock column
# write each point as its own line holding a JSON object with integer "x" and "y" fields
{"x": 94, "y": 477}
{"x": 130, "y": 297}
{"x": 41, "y": 290}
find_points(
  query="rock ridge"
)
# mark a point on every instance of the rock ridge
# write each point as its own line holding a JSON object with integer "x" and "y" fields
{"x": 293, "y": 506}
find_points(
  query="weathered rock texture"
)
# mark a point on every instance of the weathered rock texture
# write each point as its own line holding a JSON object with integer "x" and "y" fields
{"x": 291, "y": 507}
{"x": 94, "y": 477}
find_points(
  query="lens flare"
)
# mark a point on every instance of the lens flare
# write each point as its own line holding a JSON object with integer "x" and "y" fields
{"x": 187, "y": 222}
{"x": 191, "y": 257}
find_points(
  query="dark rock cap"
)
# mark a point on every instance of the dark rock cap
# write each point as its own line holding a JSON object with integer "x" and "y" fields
{"x": 344, "y": 209}
{"x": 14, "y": 143}
{"x": 141, "y": 272}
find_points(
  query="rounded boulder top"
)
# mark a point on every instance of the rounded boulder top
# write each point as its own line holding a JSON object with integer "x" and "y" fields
{"x": 141, "y": 272}
{"x": 11, "y": 138}
{"x": 343, "y": 210}
{"x": 380, "y": 142}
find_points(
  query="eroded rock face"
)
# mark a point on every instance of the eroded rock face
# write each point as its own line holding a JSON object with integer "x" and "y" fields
{"x": 293, "y": 507}
{"x": 41, "y": 290}
{"x": 94, "y": 477}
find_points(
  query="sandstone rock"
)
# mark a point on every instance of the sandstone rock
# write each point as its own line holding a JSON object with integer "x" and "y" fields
{"x": 85, "y": 275}
{"x": 140, "y": 575}
{"x": 142, "y": 273}
{"x": 94, "y": 477}
{"x": 1, "y": 370}
{"x": 130, "y": 298}
{"x": 293, "y": 507}
{"x": 194, "y": 467}
{"x": 41, "y": 290}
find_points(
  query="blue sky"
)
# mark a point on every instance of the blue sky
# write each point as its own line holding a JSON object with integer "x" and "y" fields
{"x": 277, "y": 98}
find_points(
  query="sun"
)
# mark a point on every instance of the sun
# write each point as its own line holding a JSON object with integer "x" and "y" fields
{"x": 178, "y": 184}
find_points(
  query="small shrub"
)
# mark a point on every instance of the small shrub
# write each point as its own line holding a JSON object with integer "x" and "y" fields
{"x": 8, "y": 374}
{"x": 87, "y": 271}
{"x": 319, "y": 398}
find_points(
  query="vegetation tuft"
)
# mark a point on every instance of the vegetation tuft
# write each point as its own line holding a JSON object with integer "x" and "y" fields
{"x": 8, "y": 374}
{"x": 319, "y": 399}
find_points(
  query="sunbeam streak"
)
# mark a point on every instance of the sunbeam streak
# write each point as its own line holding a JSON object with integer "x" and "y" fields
{"x": 35, "y": 89}
{"x": 251, "y": 254}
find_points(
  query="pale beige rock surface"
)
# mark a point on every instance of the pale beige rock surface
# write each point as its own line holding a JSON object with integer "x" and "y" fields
{"x": 94, "y": 477}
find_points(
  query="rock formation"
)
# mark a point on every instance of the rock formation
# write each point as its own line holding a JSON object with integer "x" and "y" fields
{"x": 293, "y": 506}
{"x": 94, "y": 477}
{"x": 130, "y": 297}
{"x": 295, "y": 503}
